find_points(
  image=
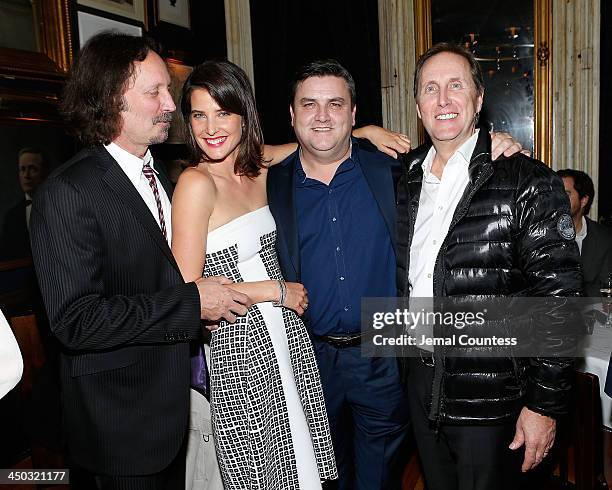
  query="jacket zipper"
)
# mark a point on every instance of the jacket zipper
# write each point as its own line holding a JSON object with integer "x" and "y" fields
{"x": 436, "y": 411}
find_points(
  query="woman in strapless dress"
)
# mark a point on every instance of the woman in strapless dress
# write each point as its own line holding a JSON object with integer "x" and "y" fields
{"x": 269, "y": 421}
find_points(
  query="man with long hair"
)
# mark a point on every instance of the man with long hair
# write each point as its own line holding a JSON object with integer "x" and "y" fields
{"x": 114, "y": 294}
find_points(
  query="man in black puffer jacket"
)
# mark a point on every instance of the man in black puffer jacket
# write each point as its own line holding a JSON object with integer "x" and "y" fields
{"x": 472, "y": 227}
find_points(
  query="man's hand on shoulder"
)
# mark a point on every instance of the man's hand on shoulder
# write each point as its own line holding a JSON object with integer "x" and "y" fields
{"x": 387, "y": 141}
{"x": 537, "y": 433}
{"x": 504, "y": 143}
{"x": 219, "y": 301}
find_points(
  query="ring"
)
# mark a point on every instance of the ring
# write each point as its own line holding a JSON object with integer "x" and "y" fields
{"x": 306, "y": 306}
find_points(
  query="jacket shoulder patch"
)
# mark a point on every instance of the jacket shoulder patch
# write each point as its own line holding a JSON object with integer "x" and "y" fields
{"x": 565, "y": 227}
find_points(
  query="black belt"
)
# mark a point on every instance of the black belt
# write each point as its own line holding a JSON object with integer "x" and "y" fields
{"x": 427, "y": 358}
{"x": 340, "y": 341}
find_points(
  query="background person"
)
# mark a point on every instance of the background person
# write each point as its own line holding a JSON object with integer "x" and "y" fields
{"x": 15, "y": 236}
{"x": 594, "y": 240}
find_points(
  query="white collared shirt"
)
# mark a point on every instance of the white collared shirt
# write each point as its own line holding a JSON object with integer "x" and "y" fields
{"x": 437, "y": 204}
{"x": 132, "y": 166}
{"x": 581, "y": 235}
{"x": 28, "y": 209}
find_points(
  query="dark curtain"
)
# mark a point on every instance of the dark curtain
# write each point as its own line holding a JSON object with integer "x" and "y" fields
{"x": 289, "y": 33}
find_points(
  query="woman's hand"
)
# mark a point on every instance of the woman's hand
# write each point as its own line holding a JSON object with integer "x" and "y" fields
{"x": 296, "y": 298}
{"x": 387, "y": 141}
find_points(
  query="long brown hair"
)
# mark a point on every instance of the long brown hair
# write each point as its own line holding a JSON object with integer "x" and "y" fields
{"x": 229, "y": 87}
{"x": 93, "y": 96}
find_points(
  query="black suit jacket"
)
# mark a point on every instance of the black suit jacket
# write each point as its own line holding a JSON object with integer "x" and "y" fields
{"x": 117, "y": 303}
{"x": 380, "y": 171}
{"x": 15, "y": 238}
{"x": 596, "y": 257}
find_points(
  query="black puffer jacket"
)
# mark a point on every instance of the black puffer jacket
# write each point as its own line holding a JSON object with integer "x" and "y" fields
{"x": 504, "y": 240}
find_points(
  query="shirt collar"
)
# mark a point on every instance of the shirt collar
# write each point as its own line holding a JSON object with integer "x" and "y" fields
{"x": 130, "y": 164}
{"x": 464, "y": 152}
{"x": 583, "y": 231}
{"x": 299, "y": 169}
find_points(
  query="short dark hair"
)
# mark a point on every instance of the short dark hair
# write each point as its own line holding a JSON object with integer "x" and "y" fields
{"x": 93, "y": 96}
{"x": 455, "y": 49}
{"x": 323, "y": 68}
{"x": 582, "y": 183}
{"x": 229, "y": 86}
{"x": 30, "y": 149}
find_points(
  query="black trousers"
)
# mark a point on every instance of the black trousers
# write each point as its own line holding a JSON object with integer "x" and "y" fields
{"x": 171, "y": 478}
{"x": 474, "y": 457}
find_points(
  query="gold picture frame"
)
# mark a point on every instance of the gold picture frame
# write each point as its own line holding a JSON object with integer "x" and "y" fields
{"x": 135, "y": 10}
{"x": 53, "y": 61}
{"x": 542, "y": 70}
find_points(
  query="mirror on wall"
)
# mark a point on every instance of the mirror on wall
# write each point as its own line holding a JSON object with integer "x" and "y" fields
{"x": 510, "y": 40}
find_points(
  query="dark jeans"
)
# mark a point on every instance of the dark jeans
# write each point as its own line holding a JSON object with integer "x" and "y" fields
{"x": 368, "y": 416}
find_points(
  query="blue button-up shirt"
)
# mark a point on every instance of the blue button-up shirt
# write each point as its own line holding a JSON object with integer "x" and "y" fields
{"x": 345, "y": 247}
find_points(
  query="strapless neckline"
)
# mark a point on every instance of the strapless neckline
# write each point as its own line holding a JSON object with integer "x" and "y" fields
{"x": 237, "y": 219}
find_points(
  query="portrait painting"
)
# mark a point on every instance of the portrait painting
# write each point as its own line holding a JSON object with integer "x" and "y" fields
{"x": 30, "y": 152}
{"x": 178, "y": 74}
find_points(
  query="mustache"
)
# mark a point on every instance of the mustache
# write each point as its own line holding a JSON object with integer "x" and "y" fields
{"x": 165, "y": 117}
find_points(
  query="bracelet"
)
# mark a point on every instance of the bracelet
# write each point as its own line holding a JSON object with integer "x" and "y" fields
{"x": 283, "y": 293}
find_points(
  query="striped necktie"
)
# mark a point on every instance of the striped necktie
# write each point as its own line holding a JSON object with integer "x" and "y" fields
{"x": 149, "y": 173}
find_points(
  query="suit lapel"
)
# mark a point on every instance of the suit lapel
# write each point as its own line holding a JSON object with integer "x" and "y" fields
{"x": 380, "y": 180}
{"x": 164, "y": 179}
{"x": 587, "y": 243}
{"x": 121, "y": 186}
{"x": 284, "y": 188}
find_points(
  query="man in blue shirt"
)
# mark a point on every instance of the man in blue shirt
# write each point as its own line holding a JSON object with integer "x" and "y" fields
{"x": 334, "y": 206}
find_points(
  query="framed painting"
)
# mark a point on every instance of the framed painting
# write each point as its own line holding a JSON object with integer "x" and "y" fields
{"x": 175, "y": 12}
{"x": 132, "y": 9}
{"x": 178, "y": 74}
{"x": 36, "y": 42}
{"x": 31, "y": 149}
{"x": 90, "y": 24}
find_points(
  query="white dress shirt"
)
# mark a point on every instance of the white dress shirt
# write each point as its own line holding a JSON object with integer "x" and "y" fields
{"x": 437, "y": 204}
{"x": 132, "y": 166}
{"x": 28, "y": 209}
{"x": 581, "y": 235}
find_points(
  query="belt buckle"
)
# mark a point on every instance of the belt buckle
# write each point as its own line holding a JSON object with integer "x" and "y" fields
{"x": 341, "y": 341}
{"x": 429, "y": 361}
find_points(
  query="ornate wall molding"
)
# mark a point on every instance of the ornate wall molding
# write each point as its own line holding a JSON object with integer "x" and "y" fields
{"x": 397, "y": 61}
{"x": 576, "y": 86}
{"x": 238, "y": 35}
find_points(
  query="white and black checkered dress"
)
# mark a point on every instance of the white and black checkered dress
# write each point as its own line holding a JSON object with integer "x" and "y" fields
{"x": 268, "y": 412}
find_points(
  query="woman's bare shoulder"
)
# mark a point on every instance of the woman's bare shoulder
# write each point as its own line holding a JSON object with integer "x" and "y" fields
{"x": 195, "y": 179}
